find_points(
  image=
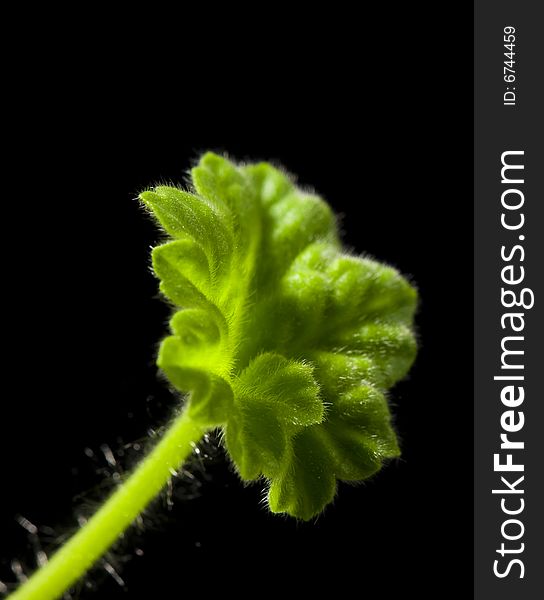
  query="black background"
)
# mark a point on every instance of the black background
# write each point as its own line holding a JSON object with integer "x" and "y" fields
{"x": 375, "y": 114}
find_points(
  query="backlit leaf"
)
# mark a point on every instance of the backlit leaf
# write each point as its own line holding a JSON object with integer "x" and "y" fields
{"x": 279, "y": 337}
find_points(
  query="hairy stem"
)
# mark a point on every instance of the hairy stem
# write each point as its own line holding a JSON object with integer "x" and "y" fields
{"x": 116, "y": 514}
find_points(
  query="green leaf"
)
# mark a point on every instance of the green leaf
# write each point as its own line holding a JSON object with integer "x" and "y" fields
{"x": 308, "y": 483}
{"x": 274, "y": 399}
{"x": 184, "y": 272}
{"x": 279, "y": 337}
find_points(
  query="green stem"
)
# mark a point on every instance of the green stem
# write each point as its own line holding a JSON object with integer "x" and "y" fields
{"x": 115, "y": 515}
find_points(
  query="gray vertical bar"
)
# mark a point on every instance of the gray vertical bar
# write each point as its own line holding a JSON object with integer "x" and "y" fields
{"x": 500, "y": 128}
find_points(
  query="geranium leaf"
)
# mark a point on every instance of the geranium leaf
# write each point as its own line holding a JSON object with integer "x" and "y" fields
{"x": 279, "y": 337}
